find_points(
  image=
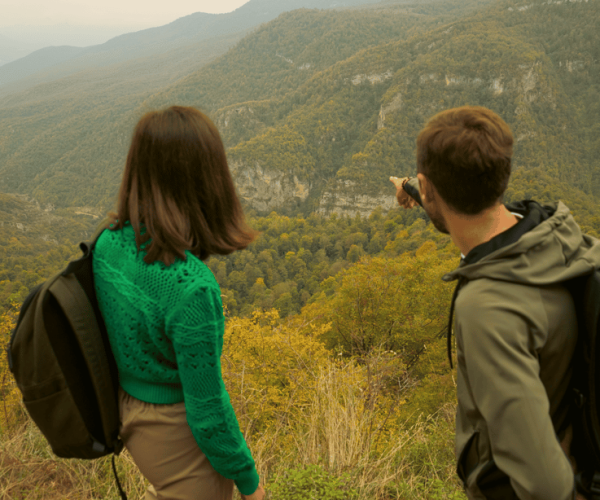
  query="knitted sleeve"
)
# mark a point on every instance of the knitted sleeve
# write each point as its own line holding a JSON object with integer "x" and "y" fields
{"x": 196, "y": 329}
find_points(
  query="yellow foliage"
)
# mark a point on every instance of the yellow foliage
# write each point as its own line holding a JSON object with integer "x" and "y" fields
{"x": 429, "y": 247}
{"x": 297, "y": 400}
{"x": 395, "y": 304}
{"x": 9, "y": 393}
{"x": 268, "y": 368}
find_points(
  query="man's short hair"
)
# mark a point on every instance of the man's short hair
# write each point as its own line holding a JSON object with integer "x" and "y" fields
{"x": 466, "y": 153}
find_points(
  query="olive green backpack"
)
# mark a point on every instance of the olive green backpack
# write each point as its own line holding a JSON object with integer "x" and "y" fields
{"x": 61, "y": 359}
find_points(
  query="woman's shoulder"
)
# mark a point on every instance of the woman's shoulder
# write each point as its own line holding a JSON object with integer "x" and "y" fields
{"x": 112, "y": 243}
{"x": 193, "y": 282}
{"x": 194, "y": 272}
{"x": 189, "y": 273}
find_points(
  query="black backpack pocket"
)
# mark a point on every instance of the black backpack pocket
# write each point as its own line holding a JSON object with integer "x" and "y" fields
{"x": 59, "y": 421}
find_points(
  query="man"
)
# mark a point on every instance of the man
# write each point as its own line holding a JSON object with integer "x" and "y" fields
{"x": 515, "y": 325}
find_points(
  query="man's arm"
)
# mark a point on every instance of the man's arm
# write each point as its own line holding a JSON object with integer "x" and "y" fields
{"x": 503, "y": 375}
{"x": 407, "y": 191}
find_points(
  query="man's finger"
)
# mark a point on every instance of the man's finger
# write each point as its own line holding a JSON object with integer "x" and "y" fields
{"x": 396, "y": 181}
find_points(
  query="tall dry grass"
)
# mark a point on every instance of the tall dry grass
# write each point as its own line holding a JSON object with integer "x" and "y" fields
{"x": 29, "y": 470}
{"x": 334, "y": 429}
{"x": 384, "y": 458}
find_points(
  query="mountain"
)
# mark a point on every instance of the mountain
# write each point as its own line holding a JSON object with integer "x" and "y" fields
{"x": 36, "y": 61}
{"x": 39, "y": 36}
{"x": 153, "y": 42}
{"x": 318, "y": 108}
{"x": 75, "y": 131}
{"x": 332, "y": 140}
{"x": 11, "y": 49}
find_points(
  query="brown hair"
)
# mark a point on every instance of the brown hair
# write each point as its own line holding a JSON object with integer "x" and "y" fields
{"x": 177, "y": 189}
{"x": 466, "y": 153}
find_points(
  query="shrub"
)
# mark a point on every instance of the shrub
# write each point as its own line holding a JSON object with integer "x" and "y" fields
{"x": 311, "y": 482}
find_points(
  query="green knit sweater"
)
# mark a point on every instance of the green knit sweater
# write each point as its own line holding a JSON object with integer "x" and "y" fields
{"x": 165, "y": 326}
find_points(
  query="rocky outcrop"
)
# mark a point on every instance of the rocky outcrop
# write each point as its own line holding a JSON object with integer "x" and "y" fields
{"x": 373, "y": 78}
{"x": 224, "y": 117}
{"x": 571, "y": 66}
{"x": 349, "y": 198}
{"x": 394, "y": 105}
{"x": 266, "y": 189}
{"x": 527, "y": 83}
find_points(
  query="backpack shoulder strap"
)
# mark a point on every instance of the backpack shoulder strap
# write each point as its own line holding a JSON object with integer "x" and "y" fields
{"x": 591, "y": 308}
{"x": 591, "y": 302}
{"x": 86, "y": 249}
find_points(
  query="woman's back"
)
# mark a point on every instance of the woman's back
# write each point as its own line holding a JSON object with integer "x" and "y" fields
{"x": 136, "y": 300}
{"x": 163, "y": 312}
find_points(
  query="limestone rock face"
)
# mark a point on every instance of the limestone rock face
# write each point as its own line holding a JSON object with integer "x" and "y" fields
{"x": 266, "y": 189}
{"x": 347, "y": 198}
{"x": 394, "y": 105}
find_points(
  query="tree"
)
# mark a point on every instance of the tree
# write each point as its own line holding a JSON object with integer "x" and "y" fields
{"x": 355, "y": 253}
{"x": 395, "y": 304}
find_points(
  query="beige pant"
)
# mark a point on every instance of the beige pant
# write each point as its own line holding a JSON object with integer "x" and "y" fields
{"x": 161, "y": 444}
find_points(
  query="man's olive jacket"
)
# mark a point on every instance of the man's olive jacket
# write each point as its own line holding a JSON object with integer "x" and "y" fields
{"x": 516, "y": 331}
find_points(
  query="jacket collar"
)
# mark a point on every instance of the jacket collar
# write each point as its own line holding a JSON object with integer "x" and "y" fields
{"x": 533, "y": 214}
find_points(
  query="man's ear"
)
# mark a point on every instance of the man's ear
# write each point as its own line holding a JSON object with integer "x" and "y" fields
{"x": 424, "y": 186}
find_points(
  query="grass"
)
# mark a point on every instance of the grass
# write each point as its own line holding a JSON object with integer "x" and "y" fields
{"x": 29, "y": 470}
{"x": 414, "y": 463}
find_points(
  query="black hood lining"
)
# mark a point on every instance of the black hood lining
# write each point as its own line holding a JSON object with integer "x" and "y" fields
{"x": 533, "y": 214}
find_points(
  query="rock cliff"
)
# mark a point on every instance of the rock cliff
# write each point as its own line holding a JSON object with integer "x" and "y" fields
{"x": 348, "y": 198}
{"x": 265, "y": 189}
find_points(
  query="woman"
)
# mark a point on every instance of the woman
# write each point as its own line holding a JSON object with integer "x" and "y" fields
{"x": 162, "y": 306}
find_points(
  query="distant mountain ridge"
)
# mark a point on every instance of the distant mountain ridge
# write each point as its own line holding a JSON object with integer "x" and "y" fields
{"x": 37, "y": 61}
{"x": 152, "y": 42}
{"x": 10, "y": 50}
{"x": 46, "y": 129}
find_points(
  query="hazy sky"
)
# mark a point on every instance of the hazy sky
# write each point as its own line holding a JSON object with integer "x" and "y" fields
{"x": 143, "y": 13}
{"x": 35, "y": 24}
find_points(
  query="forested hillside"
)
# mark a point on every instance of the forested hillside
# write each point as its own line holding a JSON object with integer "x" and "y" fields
{"x": 36, "y": 241}
{"x": 91, "y": 122}
{"x": 329, "y": 104}
{"x": 319, "y": 310}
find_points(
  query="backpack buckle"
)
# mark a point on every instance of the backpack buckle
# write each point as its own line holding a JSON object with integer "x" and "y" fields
{"x": 98, "y": 447}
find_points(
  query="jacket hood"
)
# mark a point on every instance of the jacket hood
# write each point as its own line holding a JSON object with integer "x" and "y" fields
{"x": 553, "y": 251}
